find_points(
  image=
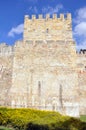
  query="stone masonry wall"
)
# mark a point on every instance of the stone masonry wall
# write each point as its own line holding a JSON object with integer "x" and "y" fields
{"x": 6, "y": 65}
{"x": 82, "y": 82}
{"x": 44, "y": 71}
{"x": 42, "y": 76}
{"x": 47, "y": 28}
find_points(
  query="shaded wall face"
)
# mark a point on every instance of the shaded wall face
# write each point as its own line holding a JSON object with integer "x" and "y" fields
{"x": 44, "y": 76}
{"x": 82, "y": 82}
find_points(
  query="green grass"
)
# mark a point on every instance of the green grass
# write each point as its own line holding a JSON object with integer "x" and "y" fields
{"x": 30, "y": 119}
{"x": 83, "y": 118}
{"x": 5, "y": 128}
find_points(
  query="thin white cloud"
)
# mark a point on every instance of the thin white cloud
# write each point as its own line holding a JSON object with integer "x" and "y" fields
{"x": 80, "y": 28}
{"x": 16, "y": 30}
{"x": 45, "y": 10}
{"x": 52, "y": 10}
{"x": 33, "y": 10}
{"x": 80, "y": 15}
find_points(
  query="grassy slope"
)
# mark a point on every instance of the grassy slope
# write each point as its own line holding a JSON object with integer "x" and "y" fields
{"x": 28, "y": 119}
{"x": 83, "y": 118}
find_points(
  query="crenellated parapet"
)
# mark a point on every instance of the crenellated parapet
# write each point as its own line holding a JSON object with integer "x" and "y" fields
{"x": 48, "y": 16}
{"x": 81, "y": 60}
{"x": 48, "y": 28}
{"x": 82, "y": 51}
{"x": 82, "y": 54}
{"x": 6, "y": 50}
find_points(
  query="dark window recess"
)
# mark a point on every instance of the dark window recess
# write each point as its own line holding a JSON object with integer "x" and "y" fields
{"x": 85, "y": 67}
{"x": 60, "y": 96}
{"x": 39, "y": 88}
{"x": 47, "y": 30}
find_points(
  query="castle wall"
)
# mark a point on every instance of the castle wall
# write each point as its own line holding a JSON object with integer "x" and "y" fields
{"x": 6, "y": 63}
{"x": 82, "y": 81}
{"x": 42, "y": 76}
{"x": 44, "y": 71}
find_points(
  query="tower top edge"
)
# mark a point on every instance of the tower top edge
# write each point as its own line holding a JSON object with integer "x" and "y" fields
{"x": 48, "y": 16}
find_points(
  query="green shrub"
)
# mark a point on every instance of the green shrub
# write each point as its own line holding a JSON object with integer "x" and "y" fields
{"x": 30, "y": 119}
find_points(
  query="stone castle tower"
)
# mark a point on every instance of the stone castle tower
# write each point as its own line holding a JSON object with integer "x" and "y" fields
{"x": 42, "y": 70}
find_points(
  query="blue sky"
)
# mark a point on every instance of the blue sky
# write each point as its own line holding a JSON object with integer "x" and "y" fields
{"x": 12, "y": 17}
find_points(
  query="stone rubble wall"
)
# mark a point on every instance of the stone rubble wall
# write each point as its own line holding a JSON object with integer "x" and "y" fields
{"x": 40, "y": 72}
{"x": 81, "y": 62}
{"x": 16, "y": 64}
{"x": 6, "y": 65}
{"x": 48, "y": 28}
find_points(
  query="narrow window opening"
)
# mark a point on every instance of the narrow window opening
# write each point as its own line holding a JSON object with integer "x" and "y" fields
{"x": 39, "y": 88}
{"x": 85, "y": 67}
{"x": 47, "y": 30}
{"x": 60, "y": 96}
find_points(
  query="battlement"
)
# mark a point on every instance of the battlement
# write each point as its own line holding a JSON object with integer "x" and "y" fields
{"x": 82, "y": 51}
{"x": 81, "y": 61}
{"x": 48, "y": 28}
{"x": 6, "y": 50}
{"x": 54, "y": 16}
